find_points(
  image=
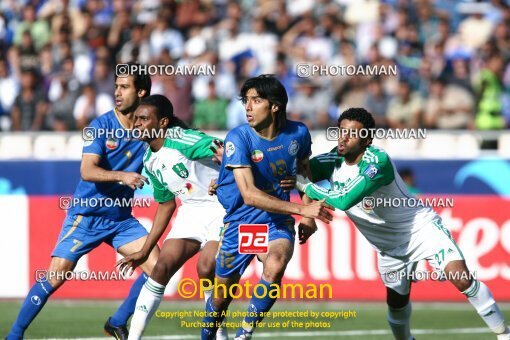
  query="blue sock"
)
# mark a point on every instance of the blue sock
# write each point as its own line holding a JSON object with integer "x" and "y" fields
{"x": 34, "y": 302}
{"x": 122, "y": 315}
{"x": 213, "y": 319}
{"x": 260, "y": 303}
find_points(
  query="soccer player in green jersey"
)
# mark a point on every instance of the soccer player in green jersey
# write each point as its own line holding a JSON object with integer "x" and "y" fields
{"x": 360, "y": 175}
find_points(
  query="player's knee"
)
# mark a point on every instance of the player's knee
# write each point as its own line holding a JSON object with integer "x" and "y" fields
{"x": 274, "y": 269}
{"x": 161, "y": 272}
{"x": 396, "y": 300}
{"x": 205, "y": 268}
{"x": 461, "y": 284}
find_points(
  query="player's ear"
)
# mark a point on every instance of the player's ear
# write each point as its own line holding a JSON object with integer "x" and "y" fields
{"x": 163, "y": 122}
{"x": 141, "y": 93}
{"x": 274, "y": 108}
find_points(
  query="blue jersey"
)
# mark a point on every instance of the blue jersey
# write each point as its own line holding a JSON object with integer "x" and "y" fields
{"x": 117, "y": 154}
{"x": 269, "y": 160}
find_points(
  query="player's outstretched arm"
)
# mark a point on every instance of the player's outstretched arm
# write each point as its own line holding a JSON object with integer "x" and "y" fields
{"x": 257, "y": 198}
{"x": 161, "y": 219}
{"x": 351, "y": 193}
{"x": 92, "y": 172}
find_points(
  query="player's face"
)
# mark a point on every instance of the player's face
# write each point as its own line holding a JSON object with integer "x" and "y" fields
{"x": 126, "y": 96}
{"x": 146, "y": 120}
{"x": 350, "y": 145}
{"x": 258, "y": 110}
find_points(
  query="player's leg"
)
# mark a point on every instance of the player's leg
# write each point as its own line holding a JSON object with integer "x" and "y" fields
{"x": 206, "y": 265}
{"x": 73, "y": 242}
{"x": 396, "y": 275}
{"x": 128, "y": 237}
{"x": 230, "y": 266}
{"x": 448, "y": 258}
{"x": 264, "y": 296}
{"x": 174, "y": 254}
{"x": 39, "y": 294}
{"x": 479, "y": 295}
{"x": 205, "y": 269}
{"x": 399, "y": 314}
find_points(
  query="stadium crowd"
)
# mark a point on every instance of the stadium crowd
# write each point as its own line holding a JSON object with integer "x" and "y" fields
{"x": 58, "y": 57}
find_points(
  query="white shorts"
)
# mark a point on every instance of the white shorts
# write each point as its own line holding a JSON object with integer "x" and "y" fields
{"x": 202, "y": 224}
{"x": 433, "y": 243}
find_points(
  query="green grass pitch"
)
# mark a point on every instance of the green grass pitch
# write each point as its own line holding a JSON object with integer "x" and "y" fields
{"x": 85, "y": 319}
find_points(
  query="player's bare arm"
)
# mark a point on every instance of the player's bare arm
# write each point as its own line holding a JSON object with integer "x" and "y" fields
{"x": 259, "y": 199}
{"x": 163, "y": 215}
{"x": 92, "y": 172}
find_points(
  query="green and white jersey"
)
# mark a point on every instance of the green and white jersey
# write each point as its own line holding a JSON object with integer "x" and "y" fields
{"x": 183, "y": 168}
{"x": 356, "y": 189}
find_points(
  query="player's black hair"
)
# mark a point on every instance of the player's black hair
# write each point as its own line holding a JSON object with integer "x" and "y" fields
{"x": 358, "y": 114}
{"x": 270, "y": 88}
{"x": 164, "y": 109}
{"x": 142, "y": 81}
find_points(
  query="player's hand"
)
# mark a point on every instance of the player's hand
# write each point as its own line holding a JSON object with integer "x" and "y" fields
{"x": 212, "y": 187}
{"x": 217, "y": 149}
{"x": 128, "y": 264}
{"x": 288, "y": 183}
{"x": 306, "y": 228}
{"x": 133, "y": 180}
{"x": 302, "y": 182}
{"x": 317, "y": 209}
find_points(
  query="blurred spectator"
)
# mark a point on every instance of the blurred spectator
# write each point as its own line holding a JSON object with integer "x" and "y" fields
{"x": 408, "y": 177}
{"x": 310, "y": 105}
{"x": 103, "y": 79}
{"x": 30, "y": 106}
{"x": 60, "y": 115}
{"x": 210, "y": 113}
{"x": 178, "y": 90}
{"x": 490, "y": 90}
{"x": 448, "y": 107}
{"x": 405, "y": 109}
{"x": 89, "y": 105}
{"x": 163, "y": 37}
{"x": 376, "y": 102}
{"x": 137, "y": 48}
{"x": 9, "y": 90}
{"x": 39, "y": 30}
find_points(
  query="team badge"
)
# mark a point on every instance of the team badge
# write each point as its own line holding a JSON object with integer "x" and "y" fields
{"x": 230, "y": 149}
{"x": 180, "y": 170}
{"x": 371, "y": 171}
{"x": 293, "y": 148}
{"x": 257, "y": 156}
{"x": 112, "y": 143}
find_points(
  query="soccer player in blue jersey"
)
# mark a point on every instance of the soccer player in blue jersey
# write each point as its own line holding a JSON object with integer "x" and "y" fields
{"x": 110, "y": 168}
{"x": 258, "y": 155}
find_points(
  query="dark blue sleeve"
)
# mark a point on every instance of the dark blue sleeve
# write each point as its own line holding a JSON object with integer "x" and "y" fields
{"x": 97, "y": 144}
{"x": 237, "y": 152}
{"x": 305, "y": 149}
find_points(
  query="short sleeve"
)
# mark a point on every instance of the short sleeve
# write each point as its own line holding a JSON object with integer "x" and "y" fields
{"x": 237, "y": 152}
{"x": 97, "y": 143}
{"x": 305, "y": 150}
{"x": 161, "y": 192}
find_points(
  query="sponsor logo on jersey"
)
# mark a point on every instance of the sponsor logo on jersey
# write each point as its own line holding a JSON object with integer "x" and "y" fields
{"x": 230, "y": 149}
{"x": 371, "y": 171}
{"x": 189, "y": 187}
{"x": 88, "y": 142}
{"x": 293, "y": 148}
{"x": 112, "y": 143}
{"x": 257, "y": 156}
{"x": 274, "y": 148}
{"x": 180, "y": 170}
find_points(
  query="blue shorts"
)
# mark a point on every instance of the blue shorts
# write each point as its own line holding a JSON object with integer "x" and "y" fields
{"x": 228, "y": 259}
{"x": 80, "y": 234}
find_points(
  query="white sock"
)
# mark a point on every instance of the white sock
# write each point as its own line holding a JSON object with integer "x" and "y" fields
{"x": 398, "y": 318}
{"x": 147, "y": 303}
{"x": 481, "y": 298}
